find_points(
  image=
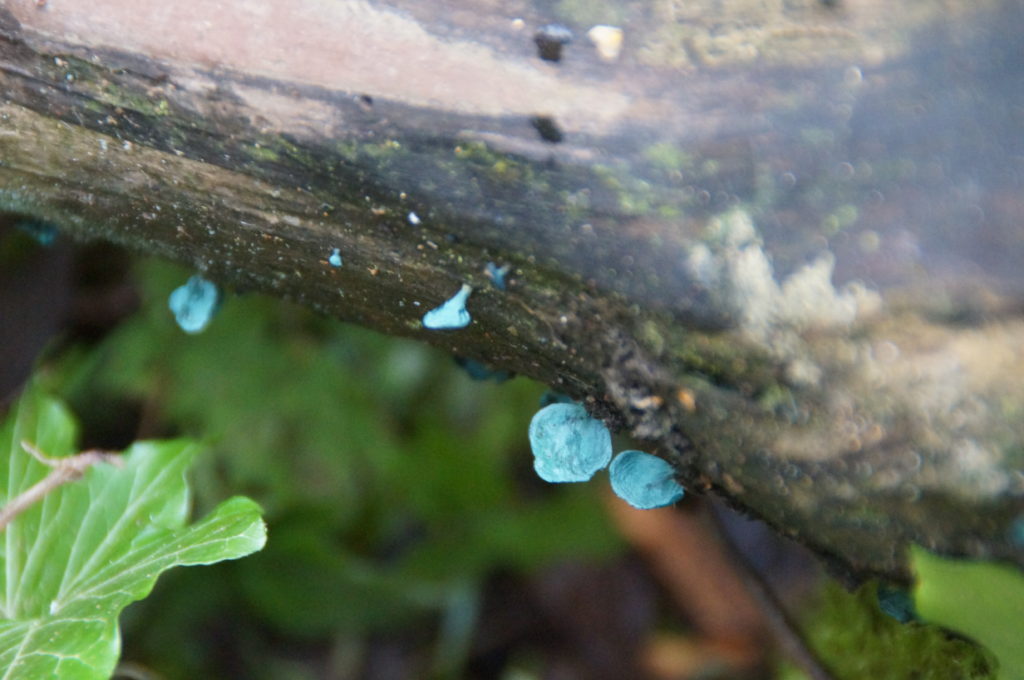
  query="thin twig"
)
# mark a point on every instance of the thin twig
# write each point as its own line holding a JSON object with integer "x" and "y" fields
{"x": 64, "y": 470}
{"x": 785, "y": 632}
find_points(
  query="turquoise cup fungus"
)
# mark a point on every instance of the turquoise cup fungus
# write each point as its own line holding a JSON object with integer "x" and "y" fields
{"x": 335, "y": 258}
{"x": 568, "y": 445}
{"x": 194, "y": 304}
{"x": 644, "y": 481}
{"x": 452, "y": 314}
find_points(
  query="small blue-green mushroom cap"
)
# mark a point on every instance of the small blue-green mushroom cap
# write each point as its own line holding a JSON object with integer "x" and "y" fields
{"x": 497, "y": 274}
{"x": 43, "y": 232}
{"x": 551, "y": 397}
{"x": 194, "y": 304}
{"x": 644, "y": 481}
{"x": 1016, "y": 531}
{"x": 896, "y": 602}
{"x": 335, "y": 258}
{"x": 568, "y": 445}
{"x": 480, "y": 371}
{"x": 452, "y": 314}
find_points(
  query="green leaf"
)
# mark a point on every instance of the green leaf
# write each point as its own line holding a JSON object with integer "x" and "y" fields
{"x": 72, "y": 562}
{"x": 982, "y": 600}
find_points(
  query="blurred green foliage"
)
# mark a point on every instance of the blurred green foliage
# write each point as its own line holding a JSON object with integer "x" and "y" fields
{"x": 72, "y": 560}
{"x": 857, "y": 640}
{"x": 392, "y": 483}
{"x": 984, "y": 600}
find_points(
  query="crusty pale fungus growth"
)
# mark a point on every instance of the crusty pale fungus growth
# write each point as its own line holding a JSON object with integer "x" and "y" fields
{"x": 194, "y": 303}
{"x": 644, "y": 481}
{"x": 568, "y": 445}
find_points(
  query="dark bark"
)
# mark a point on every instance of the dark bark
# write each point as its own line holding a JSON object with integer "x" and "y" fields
{"x": 779, "y": 242}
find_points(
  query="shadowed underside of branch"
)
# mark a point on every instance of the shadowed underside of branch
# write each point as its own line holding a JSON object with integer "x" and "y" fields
{"x": 782, "y": 246}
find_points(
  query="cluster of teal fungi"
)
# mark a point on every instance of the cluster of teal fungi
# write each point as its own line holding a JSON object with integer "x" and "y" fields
{"x": 570, "y": 446}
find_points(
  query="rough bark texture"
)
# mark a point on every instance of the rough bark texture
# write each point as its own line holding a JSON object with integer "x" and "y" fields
{"x": 779, "y": 241}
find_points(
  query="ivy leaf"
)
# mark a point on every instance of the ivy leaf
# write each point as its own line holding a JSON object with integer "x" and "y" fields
{"x": 70, "y": 563}
{"x": 982, "y": 600}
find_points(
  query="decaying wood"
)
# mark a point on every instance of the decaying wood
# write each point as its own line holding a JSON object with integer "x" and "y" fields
{"x": 778, "y": 241}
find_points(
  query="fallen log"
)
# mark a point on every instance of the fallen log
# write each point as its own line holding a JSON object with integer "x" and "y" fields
{"x": 780, "y": 242}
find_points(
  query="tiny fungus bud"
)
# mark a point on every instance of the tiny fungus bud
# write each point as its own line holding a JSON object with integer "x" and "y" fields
{"x": 452, "y": 314}
{"x": 1016, "y": 531}
{"x": 479, "y": 371}
{"x": 497, "y": 274}
{"x": 895, "y": 601}
{"x": 43, "y": 232}
{"x": 644, "y": 481}
{"x": 551, "y": 397}
{"x": 194, "y": 303}
{"x": 335, "y": 258}
{"x": 568, "y": 445}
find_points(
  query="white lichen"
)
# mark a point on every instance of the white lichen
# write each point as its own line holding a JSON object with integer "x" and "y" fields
{"x": 732, "y": 265}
